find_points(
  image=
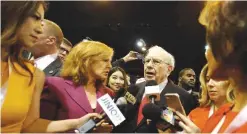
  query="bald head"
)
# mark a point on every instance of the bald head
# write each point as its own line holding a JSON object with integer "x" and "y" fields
{"x": 52, "y": 29}
{"x": 49, "y": 41}
{"x": 158, "y": 64}
{"x": 159, "y": 51}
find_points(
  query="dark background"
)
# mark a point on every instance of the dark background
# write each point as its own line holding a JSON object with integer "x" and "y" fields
{"x": 170, "y": 24}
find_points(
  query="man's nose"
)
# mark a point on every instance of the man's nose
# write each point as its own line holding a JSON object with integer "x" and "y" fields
{"x": 192, "y": 78}
{"x": 149, "y": 64}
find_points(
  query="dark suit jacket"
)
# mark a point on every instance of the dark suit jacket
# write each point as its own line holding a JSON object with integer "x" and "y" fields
{"x": 54, "y": 68}
{"x": 64, "y": 100}
{"x": 185, "y": 97}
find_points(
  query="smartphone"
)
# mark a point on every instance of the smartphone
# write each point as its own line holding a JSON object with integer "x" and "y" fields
{"x": 173, "y": 101}
{"x": 168, "y": 116}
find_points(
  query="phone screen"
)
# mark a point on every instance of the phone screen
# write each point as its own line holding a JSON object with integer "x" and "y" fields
{"x": 168, "y": 115}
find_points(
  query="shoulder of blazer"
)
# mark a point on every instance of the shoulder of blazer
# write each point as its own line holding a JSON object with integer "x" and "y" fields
{"x": 54, "y": 81}
{"x": 140, "y": 92}
{"x": 53, "y": 69}
{"x": 174, "y": 88}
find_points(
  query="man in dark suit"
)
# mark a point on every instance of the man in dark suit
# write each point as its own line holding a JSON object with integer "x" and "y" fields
{"x": 46, "y": 49}
{"x": 158, "y": 65}
{"x": 187, "y": 80}
{"x": 64, "y": 49}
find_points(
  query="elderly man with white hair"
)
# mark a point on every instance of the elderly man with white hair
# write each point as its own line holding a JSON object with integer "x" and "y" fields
{"x": 158, "y": 65}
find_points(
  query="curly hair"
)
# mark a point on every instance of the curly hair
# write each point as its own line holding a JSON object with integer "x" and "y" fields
{"x": 78, "y": 61}
{"x": 226, "y": 31}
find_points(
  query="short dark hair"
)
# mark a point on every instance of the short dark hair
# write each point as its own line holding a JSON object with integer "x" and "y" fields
{"x": 66, "y": 41}
{"x": 181, "y": 73}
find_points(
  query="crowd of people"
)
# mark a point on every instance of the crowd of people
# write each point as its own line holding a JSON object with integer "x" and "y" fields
{"x": 50, "y": 85}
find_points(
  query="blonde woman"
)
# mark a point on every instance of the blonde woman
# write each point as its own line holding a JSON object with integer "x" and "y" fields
{"x": 226, "y": 27}
{"x": 75, "y": 94}
{"x": 213, "y": 95}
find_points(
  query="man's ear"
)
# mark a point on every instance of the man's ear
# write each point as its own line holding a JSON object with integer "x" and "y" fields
{"x": 179, "y": 79}
{"x": 170, "y": 69}
{"x": 51, "y": 40}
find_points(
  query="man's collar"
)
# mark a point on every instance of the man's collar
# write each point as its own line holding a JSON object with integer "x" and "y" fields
{"x": 54, "y": 56}
{"x": 163, "y": 84}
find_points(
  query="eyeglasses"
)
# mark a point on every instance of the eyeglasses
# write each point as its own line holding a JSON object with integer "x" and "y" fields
{"x": 154, "y": 61}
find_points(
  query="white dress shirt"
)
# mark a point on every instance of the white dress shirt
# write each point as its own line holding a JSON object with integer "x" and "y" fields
{"x": 44, "y": 61}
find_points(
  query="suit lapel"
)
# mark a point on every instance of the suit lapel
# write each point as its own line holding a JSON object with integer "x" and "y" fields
{"x": 167, "y": 89}
{"x": 78, "y": 95}
{"x": 140, "y": 93}
{"x": 98, "y": 107}
{"x": 53, "y": 68}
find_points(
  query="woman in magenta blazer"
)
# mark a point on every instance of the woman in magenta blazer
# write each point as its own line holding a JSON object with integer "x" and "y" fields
{"x": 75, "y": 94}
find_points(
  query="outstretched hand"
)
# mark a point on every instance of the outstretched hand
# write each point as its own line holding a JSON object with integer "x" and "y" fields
{"x": 86, "y": 118}
{"x": 132, "y": 55}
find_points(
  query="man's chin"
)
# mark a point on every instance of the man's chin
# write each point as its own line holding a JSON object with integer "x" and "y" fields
{"x": 149, "y": 78}
{"x": 191, "y": 86}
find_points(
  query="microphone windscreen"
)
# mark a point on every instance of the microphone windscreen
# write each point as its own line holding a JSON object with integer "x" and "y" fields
{"x": 121, "y": 101}
{"x": 152, "y": 111}
{"x": 119, "y": 94}
{"x": 151, "y": 83}
{"x": 133, "y": 89}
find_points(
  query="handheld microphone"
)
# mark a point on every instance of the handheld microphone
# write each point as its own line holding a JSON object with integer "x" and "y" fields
{"x": 163, "y": 117}
{"x": 119, "y": 93}
{"x": 121, "y": 101}
{"x": 131, "y": 107}
{"x": 131, "y": 93}
{"x": 128, "y": 94}
{"x": 152, "y": 91}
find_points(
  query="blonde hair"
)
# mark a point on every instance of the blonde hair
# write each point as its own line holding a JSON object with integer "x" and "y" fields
{"x": 78, "y": 61}
{"x": 54, "y": 30}
{"x": 205, "y": 100}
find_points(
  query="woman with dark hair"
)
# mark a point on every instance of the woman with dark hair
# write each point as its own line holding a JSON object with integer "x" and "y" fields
{"x": 226, "y": 27}
{"x": 117, "y": 79}
{"x": 21, "y": 82}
